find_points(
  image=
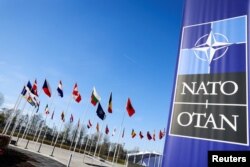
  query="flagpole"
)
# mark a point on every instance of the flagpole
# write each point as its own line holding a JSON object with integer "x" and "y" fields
{"x": 8, "y": 122}
{"x": 28, "y": 124}
{"x": 39, "y": 123}
{"x": 118, "y": 137}
{"x": 70, "y": 100}
{"x": 44, "y": 123}
{"x": 17, "y": 118}
{"x": 78, "y": 136}
{"x": 86, "y": 145}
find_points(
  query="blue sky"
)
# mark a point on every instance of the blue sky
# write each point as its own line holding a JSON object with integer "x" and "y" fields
{"x": 125, "y": 47}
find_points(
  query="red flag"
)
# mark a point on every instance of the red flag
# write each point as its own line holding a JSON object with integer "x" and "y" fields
{"x": 46, "y": 88}
{"x": 130, "y": 108}
{"x": 149, "y": 136}
{"x": 161, "y": 135}
{"x": 154, "y": 136}
{"x": 76, "y": 94}
{"x": 107, "y": 130}
{"x": 34, "y": 88}
{"x": 110, "y": 104}
{"x": 141, "y": 135}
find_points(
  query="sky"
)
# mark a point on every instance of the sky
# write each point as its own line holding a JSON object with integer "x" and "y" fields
{"x": 127, "y": 47}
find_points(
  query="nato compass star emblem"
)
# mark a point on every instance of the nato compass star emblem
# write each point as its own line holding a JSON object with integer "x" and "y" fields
{"x": 214, "y": 42}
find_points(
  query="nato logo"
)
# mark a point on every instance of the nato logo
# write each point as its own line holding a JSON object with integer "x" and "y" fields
{"x": 210, "y": 101}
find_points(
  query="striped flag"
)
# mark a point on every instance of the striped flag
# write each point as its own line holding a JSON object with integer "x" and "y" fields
{"x": 110, "y": 104}
{"x": 76, "y": 94}
{"x": 60, "y": 89}
{"x": 95, "y": 98}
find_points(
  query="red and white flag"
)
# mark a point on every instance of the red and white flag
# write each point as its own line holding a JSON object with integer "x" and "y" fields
{"x": 76, "y": 95}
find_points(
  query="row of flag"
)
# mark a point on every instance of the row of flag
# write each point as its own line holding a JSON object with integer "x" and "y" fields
{"x": 149, "y": 136}
{"x": 30, "y": 93}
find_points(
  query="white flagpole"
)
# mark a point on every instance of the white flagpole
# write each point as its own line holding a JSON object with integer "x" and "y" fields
{"x": 44, "y": 123}
{"x": 118, "y": 137}
{"x": 8, "y": 122}
{"x": 77, "y": 137}
{"x": 17, "y": 118}
{"x": 39, "y": 123}
{"x": 70, "y": 100}
{"x": 86, "y": 145}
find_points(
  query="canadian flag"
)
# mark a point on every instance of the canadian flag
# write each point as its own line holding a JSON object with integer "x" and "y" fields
{"x": 76, "y": 94}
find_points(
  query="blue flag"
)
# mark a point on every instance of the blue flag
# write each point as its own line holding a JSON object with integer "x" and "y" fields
{"x": 209, "y": 107}
{"x": 100, "y": 113}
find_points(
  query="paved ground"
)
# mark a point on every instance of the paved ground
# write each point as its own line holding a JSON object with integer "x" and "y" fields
{"x": 62, "y": 155}
{"x": 39, "y": 160}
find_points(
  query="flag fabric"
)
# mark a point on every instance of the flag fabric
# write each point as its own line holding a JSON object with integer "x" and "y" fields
{"x": 113, "y": 133}
{"x": 100, "y": 113}
{"x": 123, "y": 132}
{"x": 76, "y": 94}
{"x": 52, "y": 115}
{"x": 37, "y": 102}
{"x": 46, "y": 88}
{"x": 95, "y": 98}
{"x": 133, "y": 134}
{"x": 29, "y": 86}
{"x": 25, "y": 92}
{"x": 154, "y": 136}
{"x": 141, "y": 135}
{"x": 31, "y": 101}
{"x": 89, "y": 125}
{"x": 60, "y": 89}
{"x": 107, "y": 130}
{"x": 47, "y": 109}
{"x": 161, "y": 135}
{"x": 62, "y": 117}
{"x": 149, "y": 136}
{"x": 130, "y": 108}
{"x": 34, "y": 88}
{"x": 71, "y": 118}
{"x": 110, "y": 104}
{"x": 97, "y": 127}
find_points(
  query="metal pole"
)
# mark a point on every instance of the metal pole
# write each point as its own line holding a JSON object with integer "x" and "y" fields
{"x": 118, "y": 138}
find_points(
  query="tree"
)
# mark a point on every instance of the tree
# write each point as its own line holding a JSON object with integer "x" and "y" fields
{"x": 1, "y": 99}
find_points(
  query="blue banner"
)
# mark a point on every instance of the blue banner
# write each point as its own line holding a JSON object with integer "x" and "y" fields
{"x": 209, "y": 108}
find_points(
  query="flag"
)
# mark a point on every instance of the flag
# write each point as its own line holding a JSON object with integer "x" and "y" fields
{"x": 123, "y": 132}
{"x": 29, "y": 86}
{"x": 46, "y": 88}
{"x": 161, "y": 135}
{"x": 59, "y": 89}
{"x": 76, "y": 94}
{"x": 110, "y": 103}
{"x": 133, "y": 134}
{"x": 37, "y": 104}
{"x": 31, "y": 101}
{"x": 52, "y": 115}
{"x": 130, "y": 108}
{"x": 107, "y": 130}
{"x": 113, "y": 133}
{"x": 62, "y": 117}
{"x": 154, "y": 136}
{"x": 141, "y": 135}
{"x": 71, "y": 118}
{"x": 149, "y": 136}
{"x": 78, "y": 124}
{"x": 95, "y": 98}
{"x": 34, "y": 88}
{"x": 47, "y": 109}
{"x": 25, "y": 92}
{"x": 97, "y": 127}
{"x": 89, "y": 125}
{"x": 100, "y": 113}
